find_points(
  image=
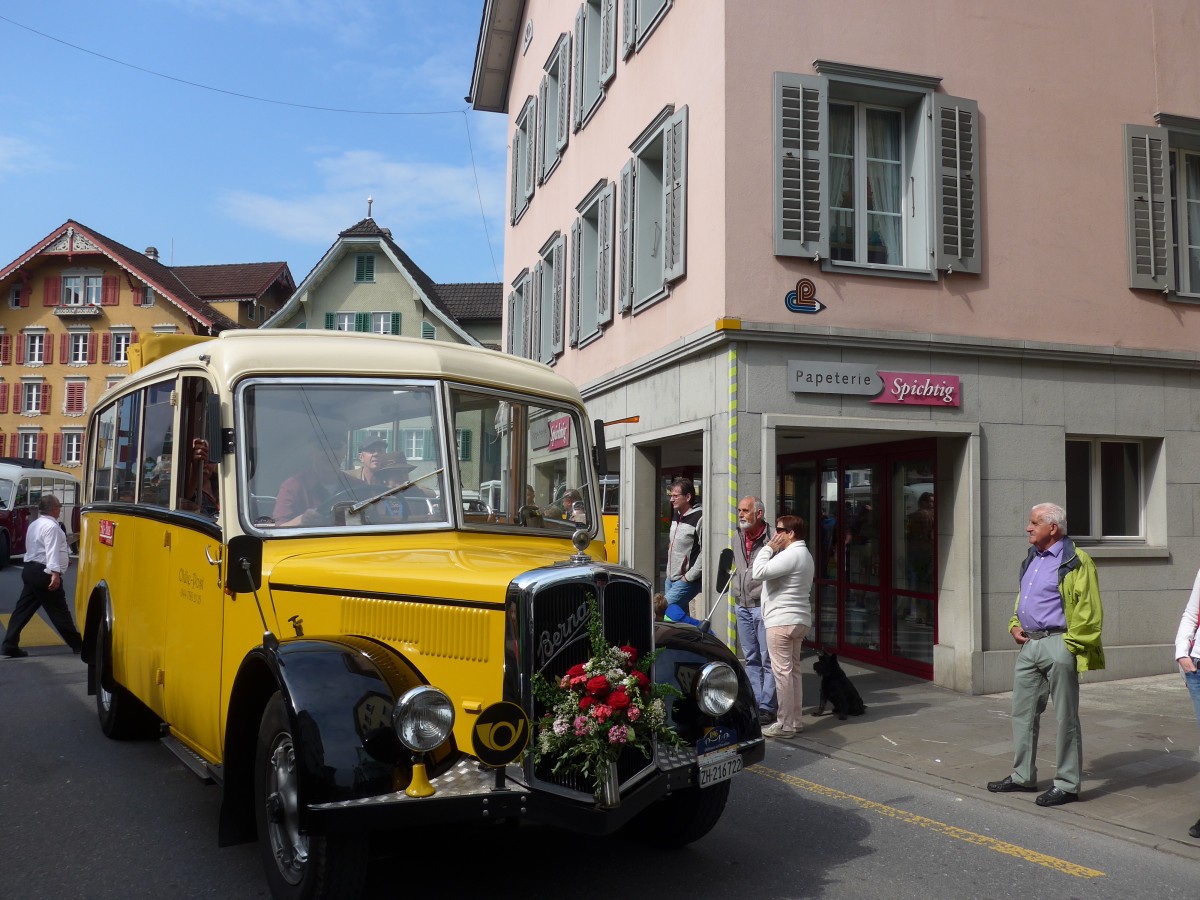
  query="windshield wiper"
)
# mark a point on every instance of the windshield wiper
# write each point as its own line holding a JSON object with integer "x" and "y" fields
{"x": 363, "y": 504}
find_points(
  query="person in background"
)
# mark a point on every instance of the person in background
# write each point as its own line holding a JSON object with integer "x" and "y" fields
{"x": 786, "y": 569}
{"x": 1056, "y": 623}
{"x": 746, "y": 591}
{"x": 666, "y": 611}
{"x": 685, "y": 561}
{"x": 369, "y": 456}
{"x": 301, "y": 497}
{"x": 1187, "y": 654}
{"x": 46, "y": 561}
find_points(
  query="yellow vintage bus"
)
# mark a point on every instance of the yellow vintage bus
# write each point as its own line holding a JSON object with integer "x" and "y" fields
{"x": 315, "y": 564}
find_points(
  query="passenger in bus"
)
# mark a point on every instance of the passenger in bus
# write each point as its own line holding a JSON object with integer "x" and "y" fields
{"x": 202, "y": 481}
{"x": 370, "y": 457}
{"x": 301, "y": 497}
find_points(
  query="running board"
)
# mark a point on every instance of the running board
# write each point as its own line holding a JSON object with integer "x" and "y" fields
{"x": 195, "y": 763}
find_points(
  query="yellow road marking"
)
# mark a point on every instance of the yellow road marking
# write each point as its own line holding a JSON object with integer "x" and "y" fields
{"x": 37, "y": 633}
{"x": 959, "y": 834}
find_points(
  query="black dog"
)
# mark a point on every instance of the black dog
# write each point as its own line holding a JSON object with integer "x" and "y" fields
{"x": 836, "y": 688}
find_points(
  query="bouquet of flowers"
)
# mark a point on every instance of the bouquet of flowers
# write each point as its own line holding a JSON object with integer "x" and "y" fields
{"x": 600, "y": 707}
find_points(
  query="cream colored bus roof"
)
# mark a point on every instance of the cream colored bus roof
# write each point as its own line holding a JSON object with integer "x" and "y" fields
{"x": 237, "y": 353}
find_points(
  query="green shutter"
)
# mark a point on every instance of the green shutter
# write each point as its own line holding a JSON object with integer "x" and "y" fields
{"x": 330, "y": 322}
{"x": 395, "y": 323}
{"x": 362, "y": 321}
{"x": 428, "y": 332}
{"x": 464, "y": 444}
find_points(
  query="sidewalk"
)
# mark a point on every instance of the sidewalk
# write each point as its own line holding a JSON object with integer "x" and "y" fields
{"x": 1140, "y": 739}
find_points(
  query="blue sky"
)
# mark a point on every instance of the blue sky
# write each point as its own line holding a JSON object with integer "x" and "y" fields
{"x": 209, "y": 177}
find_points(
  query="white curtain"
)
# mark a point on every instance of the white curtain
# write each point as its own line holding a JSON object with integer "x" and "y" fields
{"x": 884, "y": 188}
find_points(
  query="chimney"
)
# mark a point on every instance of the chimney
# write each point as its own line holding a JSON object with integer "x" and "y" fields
{"x": 152, "y": 252}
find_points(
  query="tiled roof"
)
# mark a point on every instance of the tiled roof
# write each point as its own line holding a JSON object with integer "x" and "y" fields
{"x": 235, "y": 281}
{"x": 471, "y": 301}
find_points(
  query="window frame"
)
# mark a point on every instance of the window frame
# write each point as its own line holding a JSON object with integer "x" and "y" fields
{"x": 639, "y": 20}
{"x": 594, "y": 64}
{"x": 1144, "y": 491}
{"x": 121, "y": 340}
{"x": 36, "y": 342}
{"x": 591, "y": 275}
{"x": 547, "y": 317}
{"x": 79, "y": 344}
{"x": 517, "y": 324}
{"x": 72, "y": 447}
{"x": 524, "y": 160}
{"x": 554, "y": 108}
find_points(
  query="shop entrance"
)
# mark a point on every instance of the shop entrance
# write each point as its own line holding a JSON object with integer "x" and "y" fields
{"x": 873, "y": 535}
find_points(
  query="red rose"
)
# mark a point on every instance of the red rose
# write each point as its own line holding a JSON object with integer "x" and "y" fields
{"x": 633, "y": 654}
{"x": 597, "y": 685}
{"x": 585, "y": 702}
{"x": 641, "y": 679}
{"x": 618, "y": 699}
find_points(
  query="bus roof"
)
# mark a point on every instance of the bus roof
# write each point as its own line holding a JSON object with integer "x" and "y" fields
{"x": 235, "y": 354}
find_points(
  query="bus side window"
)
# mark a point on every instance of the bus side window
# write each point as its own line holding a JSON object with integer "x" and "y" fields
{"x": 198, "y": 486}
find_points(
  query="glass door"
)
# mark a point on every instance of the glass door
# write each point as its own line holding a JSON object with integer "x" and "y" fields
{"x": 861, "y": 555}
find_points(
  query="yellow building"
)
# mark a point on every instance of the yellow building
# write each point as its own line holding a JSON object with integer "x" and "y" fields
{"x": 73, "y": 303}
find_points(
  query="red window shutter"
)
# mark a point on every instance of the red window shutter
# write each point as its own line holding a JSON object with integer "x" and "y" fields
{"x": 133, "y": 337}
{"x": 14, "y": 444}
{"x": 64, "y": 348}
{"x": 48, "y": 349}
{"x": 110, "y": 291}
{"x": 41, "y": 447}
{"x": 56, "y": 453}
{"x": 45, "y": 407}
{"x": 51, "y": 290}
{"x": 3, "y": 405}
{"x": 91, "y": 356}
{"x": 5, "y": 349}
{"x": 21, "y": 349}
{"x": 106, "y": 349}
{"x": 26, "y": 289}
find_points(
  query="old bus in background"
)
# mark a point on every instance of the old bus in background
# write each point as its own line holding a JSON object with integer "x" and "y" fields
{"x": 23, "y": 482}
{"x": 343, "y": 654}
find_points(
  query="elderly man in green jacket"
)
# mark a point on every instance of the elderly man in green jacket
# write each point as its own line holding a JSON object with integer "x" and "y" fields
{"x": 1057, "y": 625}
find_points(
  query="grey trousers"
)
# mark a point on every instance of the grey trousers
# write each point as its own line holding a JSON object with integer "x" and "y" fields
{"x": 1046, "y": 671}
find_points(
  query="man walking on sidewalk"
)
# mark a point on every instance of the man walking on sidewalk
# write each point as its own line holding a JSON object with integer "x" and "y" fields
{"x": 747, "y": 595}
{"x": 46, "y": 560}
{"x": 1057, "y": 625}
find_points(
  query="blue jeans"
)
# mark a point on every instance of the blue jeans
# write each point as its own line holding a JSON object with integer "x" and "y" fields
{"x": 752, "y": 636}
{"x": 682, "y": 592}
{"x": 1192, "y": 680}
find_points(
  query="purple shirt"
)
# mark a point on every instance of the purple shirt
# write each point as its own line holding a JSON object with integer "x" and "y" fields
{"x": 1041, "y": 605}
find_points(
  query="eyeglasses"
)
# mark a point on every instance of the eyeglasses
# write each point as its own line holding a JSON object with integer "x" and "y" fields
{"x": 675, "y": 496}
{"x": 778, "y": 529}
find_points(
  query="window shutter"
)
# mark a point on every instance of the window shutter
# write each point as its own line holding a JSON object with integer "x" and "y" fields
{"x": 625, "y": 240}
{"x": 464, "y": 444}
{"x": 608, "y": 41}
{"x": 957, "y": 171}
{"x": 56, "y": 453}
{"x": 133, "y": 337}
{"x": 395, "y": 326}
{"x": 40, "y": 453}
{"x": 541, "y": 139}
{"x": 576, "y": 259}
{"x": 138, "y": 294}
{"x": 45, "y": 404}
{"x": 64, "y": 348}
{"x": 362, "y": 321}
{"x": 91, "y": 349}
{"x": 5, "y": 349}
{"x": 629, "y": 27}
{"x": 330, "y": 322}
{"x": 3, "y": 401}
{"x": 1148, "y": 208}
{"x": 531, "y": 144}
{"x": 21, "y": 339}
{"x": 106, "y": 349}
{"x": 23, "y": 302}
{"x": 564, "y": 94}
{"x": 675, "y": 196}
{"x": 110, "y": 291}
{"x": 516, "y": 180}
{"x": 48, "y": 349}
{"x": 559, "y": 298}
{"x": 509, "y": 341}
{"x": 577, "y": 66}
{"x": 14, "y": 444}
{"x": 51, "y": 290}
{"x": 604, "y": 257}
{"x": 801, "y": 165}
{"x": 539, "y": 314}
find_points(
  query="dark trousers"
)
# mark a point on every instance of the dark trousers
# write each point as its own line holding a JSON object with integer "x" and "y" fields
{"x": 36, "y": 593}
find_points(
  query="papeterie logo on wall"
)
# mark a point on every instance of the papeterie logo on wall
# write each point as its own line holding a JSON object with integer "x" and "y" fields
{"x": 804, "y": 298}
{"x": 903, "y": 388}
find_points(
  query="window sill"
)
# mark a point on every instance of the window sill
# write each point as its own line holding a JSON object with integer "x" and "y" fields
{"x": 1125, "y": 551}
{"x": 833, "y": 265}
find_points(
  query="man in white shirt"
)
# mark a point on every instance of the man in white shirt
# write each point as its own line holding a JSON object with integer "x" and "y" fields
{"x": 46, "y": 561}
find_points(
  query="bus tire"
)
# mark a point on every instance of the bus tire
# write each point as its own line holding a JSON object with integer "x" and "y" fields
{"x": 682, "y": 817}
{"x": 122, "y": 716}
{"x": 298, "y": 866}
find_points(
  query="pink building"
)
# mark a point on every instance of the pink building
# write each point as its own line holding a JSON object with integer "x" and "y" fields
{"x": 842, "y": 256}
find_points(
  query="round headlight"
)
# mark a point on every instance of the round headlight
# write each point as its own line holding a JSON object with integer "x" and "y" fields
{"x": 717, "y": 689}
{"x": 423, "y": 718}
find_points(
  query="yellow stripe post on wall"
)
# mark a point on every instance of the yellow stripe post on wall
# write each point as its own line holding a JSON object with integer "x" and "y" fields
{"x": 731, "y": 621}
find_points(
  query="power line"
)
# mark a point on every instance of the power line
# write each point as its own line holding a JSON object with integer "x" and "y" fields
{"x": 479, "y": 194}
{"x": 217, "y": 90}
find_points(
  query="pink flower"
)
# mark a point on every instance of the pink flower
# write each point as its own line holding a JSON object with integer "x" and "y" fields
{"x": 634, "y": 714}
{"x": 600, "y": 712}
{"x": 617, "y": 734}
{"x": 581, "y": 726}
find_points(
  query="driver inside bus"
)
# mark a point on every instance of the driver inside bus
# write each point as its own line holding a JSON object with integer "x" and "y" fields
{"x": 301, "y": 498}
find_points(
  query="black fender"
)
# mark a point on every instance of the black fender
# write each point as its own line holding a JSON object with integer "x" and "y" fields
{"x": 683, "y": 650}
{"x": 339, "y": 693}
{"x": 99, "y": 608}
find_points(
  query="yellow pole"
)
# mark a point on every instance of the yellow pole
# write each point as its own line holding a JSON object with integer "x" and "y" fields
{"x": 731, "y": 629}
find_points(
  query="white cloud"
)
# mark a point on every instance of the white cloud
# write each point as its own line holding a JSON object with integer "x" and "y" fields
{"x": 18, "y": 156}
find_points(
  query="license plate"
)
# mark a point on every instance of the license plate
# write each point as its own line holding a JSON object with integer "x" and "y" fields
{"x": 719, "y": 767}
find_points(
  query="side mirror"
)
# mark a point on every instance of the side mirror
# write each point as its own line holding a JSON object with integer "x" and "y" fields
{"x": 244, "y": 573}
{"x": 601, "y": 451}
{"x": 724, "y": 569}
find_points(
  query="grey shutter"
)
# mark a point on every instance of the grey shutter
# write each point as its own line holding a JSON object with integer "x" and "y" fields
{"x": 608, "y": 41}
{"x": 538, "y": 313}
{"x": 330, "y": 322}
{"x": 577, "y": 67}
{"x": 956, "y": 169}
{"x": 801, "y": 165}
{"x": 516, "y": 177}
{"x": 576, "y": 259}
{"x": 675, "y": 196}
{"x": 1148, "y": 208}
{"x": 510, "y": 342}
{"x": 629, "y": 27}
{"x": 530, "y": 141}
{"x": 559, "y": 258}
{"x": 625, "y": 240}
{"x": 604, "y": 257}
{"x": 395, "y": 329}
{"x": 541, "y": 139}
{"x": 564, "y": 94}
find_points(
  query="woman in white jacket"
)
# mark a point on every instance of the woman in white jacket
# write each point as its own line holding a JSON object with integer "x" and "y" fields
{"x": 786, "y": 569}
{"x": 1187, "y": 654}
